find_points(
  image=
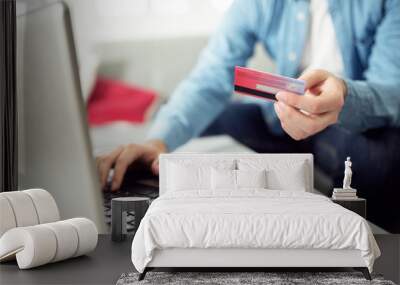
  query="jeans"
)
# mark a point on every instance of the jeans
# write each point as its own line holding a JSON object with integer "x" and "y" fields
{"x": 375, "y": 155}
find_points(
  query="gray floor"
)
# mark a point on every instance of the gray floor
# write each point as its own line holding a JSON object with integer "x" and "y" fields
{"x": 103, "y": 266}
{"x": 106, "y": 264}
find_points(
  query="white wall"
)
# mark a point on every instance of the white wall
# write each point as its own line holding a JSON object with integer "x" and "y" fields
{"x": 125, "y": 20}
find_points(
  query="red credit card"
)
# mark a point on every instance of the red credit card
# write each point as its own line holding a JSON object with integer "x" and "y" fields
{"x": 263, "y": 84}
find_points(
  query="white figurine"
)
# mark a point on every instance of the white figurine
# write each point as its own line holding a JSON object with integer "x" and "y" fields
{"x": 347, "y": 174}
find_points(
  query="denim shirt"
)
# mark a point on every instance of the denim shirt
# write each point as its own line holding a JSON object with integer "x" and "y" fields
{"x": 368, "y": 34}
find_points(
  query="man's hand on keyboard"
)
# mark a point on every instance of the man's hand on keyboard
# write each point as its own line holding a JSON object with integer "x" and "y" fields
{"x": 124, "y": 156}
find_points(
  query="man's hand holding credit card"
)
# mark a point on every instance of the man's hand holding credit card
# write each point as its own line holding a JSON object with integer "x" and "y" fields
{"x": 323, "y": 96}
{"x": 265, "y": 85}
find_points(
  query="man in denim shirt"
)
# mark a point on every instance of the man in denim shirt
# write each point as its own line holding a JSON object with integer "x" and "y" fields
{"x": 347, "y": 51}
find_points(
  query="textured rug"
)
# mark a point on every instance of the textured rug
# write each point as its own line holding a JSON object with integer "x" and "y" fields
{"x": 243, "y": 278}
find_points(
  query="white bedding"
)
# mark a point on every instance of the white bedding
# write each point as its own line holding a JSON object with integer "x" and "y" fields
{"x": 250, "y": 219}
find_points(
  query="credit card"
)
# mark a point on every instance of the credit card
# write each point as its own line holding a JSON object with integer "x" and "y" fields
{"x": 265, "y": 85}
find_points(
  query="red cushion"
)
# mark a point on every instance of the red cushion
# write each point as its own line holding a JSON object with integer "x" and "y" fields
{"x": 113, "y": 100}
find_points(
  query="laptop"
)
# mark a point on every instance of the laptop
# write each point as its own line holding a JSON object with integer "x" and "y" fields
{"x": 54, "y": 147}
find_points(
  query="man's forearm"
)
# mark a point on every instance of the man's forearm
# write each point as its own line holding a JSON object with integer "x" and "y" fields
{"x": 368, "y": 105}
{"x": 202, "y": 96}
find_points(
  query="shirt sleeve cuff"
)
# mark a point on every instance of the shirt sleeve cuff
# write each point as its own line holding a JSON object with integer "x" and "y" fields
{"x": 351, "y": 116}
{"x": 169, "y": 132}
